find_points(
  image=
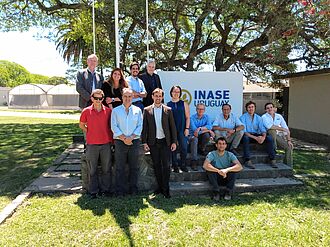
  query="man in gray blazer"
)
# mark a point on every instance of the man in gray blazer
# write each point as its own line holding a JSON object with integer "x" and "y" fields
{"x": 159, "y": 136}
{"x": 87, "y": 81}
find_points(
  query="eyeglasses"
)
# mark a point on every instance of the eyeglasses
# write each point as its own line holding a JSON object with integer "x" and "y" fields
{"x": 200, "y": 109}
{"x": 97, "y": 98}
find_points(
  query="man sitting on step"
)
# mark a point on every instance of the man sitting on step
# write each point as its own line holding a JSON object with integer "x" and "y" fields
{"x": 279, "y": 130}
{"x": 230, "y": 127}
{"x": 200, "y": 133}
{"x": 254, "y": 131}
{"x": 222, "y": 167}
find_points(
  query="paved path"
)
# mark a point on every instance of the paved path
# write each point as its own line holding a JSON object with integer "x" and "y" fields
{"x": 39, "y": 115}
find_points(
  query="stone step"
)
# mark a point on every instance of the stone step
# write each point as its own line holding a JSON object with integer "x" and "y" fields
{"x": 242, "y": 185}
{"x": 262, "y": 171}
{"x": 256, "y": 157}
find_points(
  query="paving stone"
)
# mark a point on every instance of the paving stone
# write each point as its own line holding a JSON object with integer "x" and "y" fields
{"x": 70, "y": 168}
{"x": 55, "y": 184}
{"x": 71, "y": 161}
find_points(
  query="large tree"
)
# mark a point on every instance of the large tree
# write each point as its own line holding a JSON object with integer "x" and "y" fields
{"x": 258, "y": 37}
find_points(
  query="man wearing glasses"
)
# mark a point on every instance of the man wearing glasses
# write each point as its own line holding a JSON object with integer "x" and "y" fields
{"x": 200, "y": 133}
{"x": 94, "y": 121}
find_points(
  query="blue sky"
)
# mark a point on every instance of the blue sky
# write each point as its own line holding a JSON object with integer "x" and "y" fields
{"x": 38, "y": 56}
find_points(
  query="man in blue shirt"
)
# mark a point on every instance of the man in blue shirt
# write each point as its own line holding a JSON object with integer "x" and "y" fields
{"x": 136, "y": 84}
{"x": 229, "y": 126}
{"x": 200, "y": 133}
{"x": 254, "y": 131}
{"x": 126, "y": 125}
{"x": 222, "y": 167}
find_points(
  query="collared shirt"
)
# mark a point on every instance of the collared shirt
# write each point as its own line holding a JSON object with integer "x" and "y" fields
{"x": 126, "y": 124}
{"x": 94, "y": 79}
{"x": 221, "y": 162}
{"x": 98, "y": 129}
{"x": 196, "y": 123}
{"x": 137, "y": 85}
{"x": 278, "y": 120}
{"x": 158, "y": 111}
{"x": 230, "y": 123}
{"x": 254, "y": 125}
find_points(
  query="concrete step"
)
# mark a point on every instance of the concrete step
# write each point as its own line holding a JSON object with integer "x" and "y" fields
{"x": 256, "y": 157}
{"x": 262, "y": 171}
{"x": 242, "y": 185}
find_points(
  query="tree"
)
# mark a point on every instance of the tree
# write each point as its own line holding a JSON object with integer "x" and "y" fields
{"x": 13, "y": 74}
{"x": 259, "y": 37}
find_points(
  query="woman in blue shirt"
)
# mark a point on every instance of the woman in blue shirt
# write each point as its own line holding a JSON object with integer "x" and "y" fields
{"x": 181, "y": 115}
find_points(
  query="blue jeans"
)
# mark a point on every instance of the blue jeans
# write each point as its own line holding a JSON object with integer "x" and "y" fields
{"x": 126, "y": 154}
{"x": 183, "y": 146}
{"x": 269, "y": 141}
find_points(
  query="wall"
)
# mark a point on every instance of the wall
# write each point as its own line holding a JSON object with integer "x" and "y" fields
{"x": 309, "y": 104}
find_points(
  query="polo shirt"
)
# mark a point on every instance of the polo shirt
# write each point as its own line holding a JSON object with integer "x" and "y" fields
{"x": 221, "y": 162}
{"x": 278, "y": 120}
{"x": 98, "y": 129}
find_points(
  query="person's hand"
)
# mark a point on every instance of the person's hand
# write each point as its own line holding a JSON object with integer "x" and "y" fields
{"x": 196, "y": 132}
{"x": 128, "y": 141}
{"x": 146, "y": 147}
{"x": 223, "y": 173}
{"x": 108, "y": 100}
{"x": 173, "y": 147}
{"x": 260, "y": 139}
{"x": 117, "y": 99}
{"x": 186, "y": 132}
{"x": 230, "y": 131}
{"x": 212, "y": 134}
{"x": 290, "y": 144}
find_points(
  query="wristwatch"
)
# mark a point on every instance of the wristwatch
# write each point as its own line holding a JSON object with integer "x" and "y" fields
{"x": 113, "y": 99}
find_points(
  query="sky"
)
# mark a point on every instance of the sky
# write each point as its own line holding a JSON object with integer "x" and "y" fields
{"x": 38, "y": 56}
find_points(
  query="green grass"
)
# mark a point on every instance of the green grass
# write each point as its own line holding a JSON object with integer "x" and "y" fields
{"x": 28, "y": 146}
{"x": 295, "y": 217}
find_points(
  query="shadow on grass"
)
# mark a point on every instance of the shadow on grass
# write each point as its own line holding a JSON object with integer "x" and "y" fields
{"x": 26, "y": 150}
{"x": 122, "y": 209}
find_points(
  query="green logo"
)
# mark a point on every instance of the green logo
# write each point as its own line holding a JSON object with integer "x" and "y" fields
{"x": 186, "y": 96}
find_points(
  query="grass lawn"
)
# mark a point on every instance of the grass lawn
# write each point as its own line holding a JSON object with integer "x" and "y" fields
{"x": 295, "y": 217}
{"x": 28, "y": 146}
{"x": 41, "y": 110}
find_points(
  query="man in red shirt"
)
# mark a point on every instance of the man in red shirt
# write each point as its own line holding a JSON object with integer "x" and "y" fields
{"x": 94, "y": 121}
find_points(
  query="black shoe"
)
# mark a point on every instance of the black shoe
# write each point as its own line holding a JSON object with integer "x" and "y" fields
{"x": 93, "y": 195}
{"x": 167, "y": 195}
{"x": 184, "y": 169}
{"x": 176, "y": 169}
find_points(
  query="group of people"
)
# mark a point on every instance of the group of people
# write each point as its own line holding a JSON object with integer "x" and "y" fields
{"x": 128, "y": 112}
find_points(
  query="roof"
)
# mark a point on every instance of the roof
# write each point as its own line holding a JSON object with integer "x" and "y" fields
{"x": 304, "y": 73}
{"x": 255, "y": 88}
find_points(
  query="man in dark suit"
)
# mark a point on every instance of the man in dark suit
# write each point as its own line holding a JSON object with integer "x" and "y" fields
{"x": 159, "y": 136}
{"x": 151, "y": 81}
{"x": 87, "y": 81}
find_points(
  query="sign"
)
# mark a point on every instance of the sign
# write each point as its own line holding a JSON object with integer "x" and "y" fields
{"x": 211, "y": 88}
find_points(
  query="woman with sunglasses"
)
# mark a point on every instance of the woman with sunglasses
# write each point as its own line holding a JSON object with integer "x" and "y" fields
{"x": 181, "y": 115}
{"x": 113, "y": 87}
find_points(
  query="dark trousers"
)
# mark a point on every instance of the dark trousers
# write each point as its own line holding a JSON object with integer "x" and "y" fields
{"x": 269, "y": 141}
{"x": 183, "y": 146}
{"x": 94, "y": 153}
{"x": 139, "y": 104}
{"x": 126, "y": 155}
{"x": 216, "y": 181}
{"x": 160, "y": 159}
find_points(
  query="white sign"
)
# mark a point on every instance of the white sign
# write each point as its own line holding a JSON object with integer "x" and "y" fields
{"x": 211, "y": 88}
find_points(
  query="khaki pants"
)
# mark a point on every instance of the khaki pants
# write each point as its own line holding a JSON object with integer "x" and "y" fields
{"x": 234, "y": 139}
{"x": 281, "y": 142}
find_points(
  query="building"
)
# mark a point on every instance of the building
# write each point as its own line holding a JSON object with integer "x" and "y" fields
{"x": 309, "y": 105}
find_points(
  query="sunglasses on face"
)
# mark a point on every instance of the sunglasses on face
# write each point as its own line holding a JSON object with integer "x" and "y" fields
{"x": 97, "y": 98}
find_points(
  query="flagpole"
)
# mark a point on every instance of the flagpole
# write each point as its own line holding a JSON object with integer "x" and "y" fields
{"x": 93, "y": 13}
{"x": 117, "y": 35}
{"x": 147, "y": 29}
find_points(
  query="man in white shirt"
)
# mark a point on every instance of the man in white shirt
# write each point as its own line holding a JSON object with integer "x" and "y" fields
{"x": 230, "y": 127}
{"x": 126, "y": 125}
{"x": 279, "y": 130}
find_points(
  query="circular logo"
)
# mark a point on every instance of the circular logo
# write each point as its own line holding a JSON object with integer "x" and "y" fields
{"x": 186, "y": 96}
